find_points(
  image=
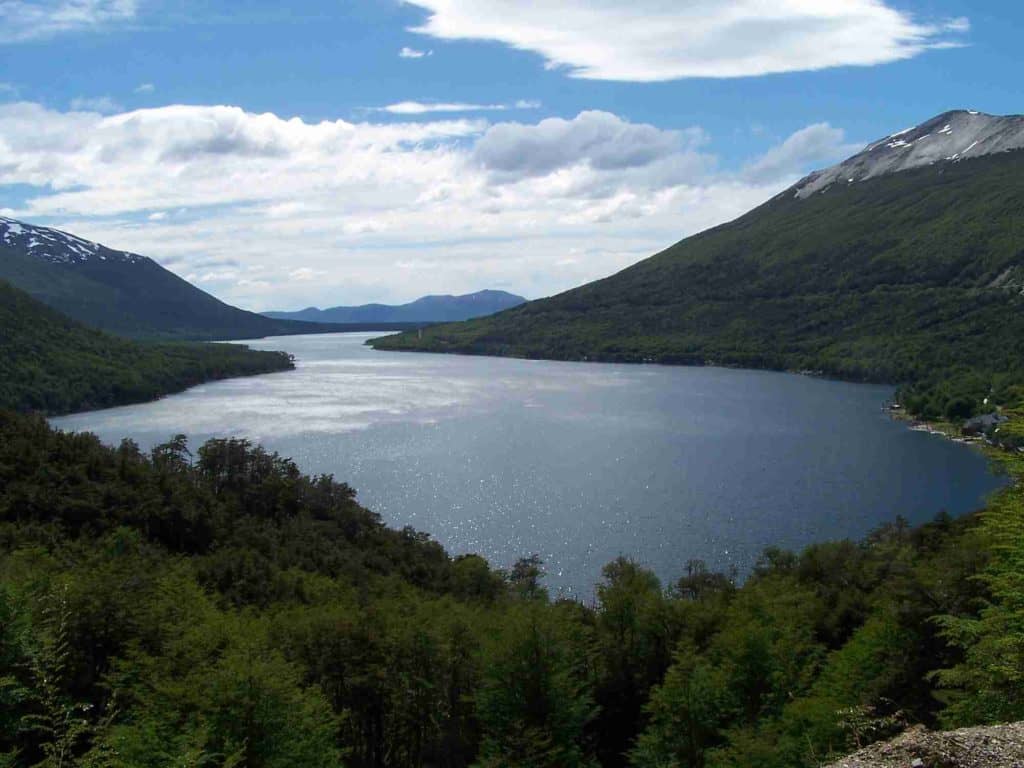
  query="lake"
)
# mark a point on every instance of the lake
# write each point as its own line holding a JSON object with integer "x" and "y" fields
{"x": 579, "y": 462}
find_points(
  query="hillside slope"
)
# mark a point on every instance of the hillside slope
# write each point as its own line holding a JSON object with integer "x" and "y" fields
{"x": 51, "y": 364}
{"x": 912, "y": 276}
{"x": 429, "y": 309}
{"x": 121, "y": 292}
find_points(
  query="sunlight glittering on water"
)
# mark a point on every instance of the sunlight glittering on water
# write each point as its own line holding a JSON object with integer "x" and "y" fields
{"x": 579, "y": 462}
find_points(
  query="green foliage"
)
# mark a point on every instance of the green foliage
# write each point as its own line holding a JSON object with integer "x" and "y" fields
{"x": 534, "y": 700}
{"x": 525, "y": 578}
{"x": 212, "y": 606}
{"x": 988, "y": 685}
{"x": 635, "y": 632}
{"x": 913, "y": 278}
{"x": 686, "y": 715}
{"x": 50, "y": 364}
{"x": 233, "y": 701}
{"x": 816, "y": 653}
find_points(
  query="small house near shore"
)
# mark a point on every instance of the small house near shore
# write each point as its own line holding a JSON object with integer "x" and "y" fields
{"x": 981, "y": 426}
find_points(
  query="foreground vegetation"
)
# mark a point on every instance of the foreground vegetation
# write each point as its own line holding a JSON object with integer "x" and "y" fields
{"x": 53, "y": 365}
{"x": 915, "y": 278}
{"x": 218, "y": 608}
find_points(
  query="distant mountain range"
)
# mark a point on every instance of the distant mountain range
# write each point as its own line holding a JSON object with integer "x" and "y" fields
{"x": 122, "y": 292}
{"x": 904, "y": 263}
{"x": 428, "y": 309}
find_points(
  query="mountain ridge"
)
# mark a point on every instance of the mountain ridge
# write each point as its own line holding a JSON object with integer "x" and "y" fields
{"x": 430, "y": 308}
{"x": 122, "y": 292}
{"x": 952, "y": 136}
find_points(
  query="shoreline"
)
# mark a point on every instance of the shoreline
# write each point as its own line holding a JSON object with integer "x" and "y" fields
{"x": 1005, "y": 461}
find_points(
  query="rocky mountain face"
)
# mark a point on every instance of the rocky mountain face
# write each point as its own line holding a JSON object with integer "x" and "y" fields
{"x": 949, "y": 137}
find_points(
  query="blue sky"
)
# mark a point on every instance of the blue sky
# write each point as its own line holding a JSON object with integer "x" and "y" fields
{"x": 250, "y": 147}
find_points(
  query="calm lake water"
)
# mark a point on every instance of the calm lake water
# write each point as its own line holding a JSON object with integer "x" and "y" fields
{"x": 579, "y": 462}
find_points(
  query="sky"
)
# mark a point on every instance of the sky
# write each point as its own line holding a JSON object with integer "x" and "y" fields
{"x": 342, "y": 152}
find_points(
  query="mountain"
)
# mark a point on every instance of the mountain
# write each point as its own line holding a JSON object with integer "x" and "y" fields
{"x": 430, "y": 309}
{"x": 52, "y": 364}
{"x": 122, "y": 292}
{"x": 949, "y": 137}
{"x": 899, "y": 265}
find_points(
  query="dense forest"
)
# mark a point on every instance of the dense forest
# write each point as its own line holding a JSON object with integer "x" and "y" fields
{"x": 51, "y": 364}
{"x": 211, "y": 606}
{"x": 913, "y": 278}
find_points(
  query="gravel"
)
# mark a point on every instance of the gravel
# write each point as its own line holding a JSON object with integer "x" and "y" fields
{"x": 998, "y": 746}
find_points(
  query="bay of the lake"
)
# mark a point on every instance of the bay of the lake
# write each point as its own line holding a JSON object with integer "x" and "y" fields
{"x": 579, "y": 462}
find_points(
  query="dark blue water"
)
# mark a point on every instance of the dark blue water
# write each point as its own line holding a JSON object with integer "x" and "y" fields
{"x": 580, "y": 462}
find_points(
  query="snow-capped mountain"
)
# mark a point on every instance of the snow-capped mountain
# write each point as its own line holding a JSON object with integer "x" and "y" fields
{"x": 121, "y": 292}
{"x": 58, "y": 247}
{"x": 950, "y": 137}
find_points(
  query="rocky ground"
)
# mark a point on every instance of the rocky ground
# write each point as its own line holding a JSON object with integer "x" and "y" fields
{"x": 999, "y": 746}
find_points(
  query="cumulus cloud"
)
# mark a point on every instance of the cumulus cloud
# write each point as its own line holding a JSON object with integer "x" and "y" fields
{"x": 145, "y": 88}
{"x": 816, "y": 145}
{"x": 653, "y": 40}
{"x": 427, "y": 107}
{"x": 24, "y": 20}
{"x": 412, "y": 53}
{"x": 598, "y": 139}
{"x": 269, "y": 212}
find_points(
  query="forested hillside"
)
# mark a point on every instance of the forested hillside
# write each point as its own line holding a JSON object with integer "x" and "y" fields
{"x": 212, "y": 606}
{"x": 912, "y": 278}
{"x": 51, "y": 364}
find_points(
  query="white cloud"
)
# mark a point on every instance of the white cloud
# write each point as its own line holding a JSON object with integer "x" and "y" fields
{"x": 599, "y": 139}
{"x": 427, "y": 107}
{"x": 145, "y": 88}
{"x": 277, "y": 213}
{"x": 412, "y": 53}
{"x": 103, "y": 105}
{"x": 818, "y": 145}
{"x": 960, "y": 24}
{"x": 24, "y": 20}
{"x": 654, "y": 40}
{"x": 303, "y": 274}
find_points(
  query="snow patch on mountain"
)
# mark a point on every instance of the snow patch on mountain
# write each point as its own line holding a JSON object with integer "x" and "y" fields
{"x": 58, "y": 247}
{"x": 949, "y": 137}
